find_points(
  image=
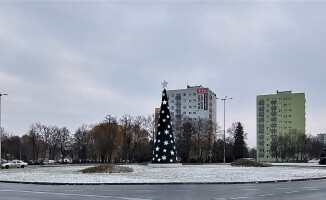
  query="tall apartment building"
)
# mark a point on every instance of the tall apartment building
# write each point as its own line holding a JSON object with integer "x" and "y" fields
{"x": 193, "y": 102}
{"x": 278, "y": 114}
{"x": 322, "y": 138}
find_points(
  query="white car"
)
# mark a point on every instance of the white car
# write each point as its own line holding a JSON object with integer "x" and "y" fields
{"x": 14, "y": 164}
{"x": 315, "y": 160}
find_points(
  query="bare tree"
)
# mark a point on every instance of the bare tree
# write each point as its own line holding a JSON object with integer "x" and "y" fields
{"x": 64, "y": 141}
{"x": 185, "y": 141}
{"x": 83, "y": 143}
{"x": 127, "y": 136}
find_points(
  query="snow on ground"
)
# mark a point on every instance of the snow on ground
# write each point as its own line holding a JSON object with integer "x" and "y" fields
{"x": 145, "y": 174}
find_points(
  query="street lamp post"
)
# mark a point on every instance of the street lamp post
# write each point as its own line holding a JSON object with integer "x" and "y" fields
{"x": 0, "y": 124}
{"x": 224, "y": 99}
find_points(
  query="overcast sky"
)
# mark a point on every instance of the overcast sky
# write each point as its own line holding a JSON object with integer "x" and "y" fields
{"x": 69, "y": 63}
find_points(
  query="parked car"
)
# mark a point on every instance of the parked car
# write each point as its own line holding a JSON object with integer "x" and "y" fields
{"x": 322, "y": 161}
{"x": 315, "y": 160}
{"x": 64, "y": 161}
{"x": 14, "y": 164}
{"x": 50, "y": 162}
{"x": 3, "y": 161}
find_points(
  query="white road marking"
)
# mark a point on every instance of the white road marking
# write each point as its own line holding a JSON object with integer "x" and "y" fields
{"x": 181, "y": 190}
{"x": 239, "y": 198}
{"x": 80, "y": 195}
{"x": 291, "y": 192}
{"x": 313, "y": 190}
{"x": 265, "y": 195}
{"x": 249, "y": 189}
{"x": 218, "y": 198}
{"x": 309, "y": 187}
{"x": 109, "y": 190}
{"x": 69, "y": 191}
{"x": 282, "y": 188}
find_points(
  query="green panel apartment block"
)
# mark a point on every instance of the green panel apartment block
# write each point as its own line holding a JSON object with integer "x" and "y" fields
{"x": 278, "y": 114}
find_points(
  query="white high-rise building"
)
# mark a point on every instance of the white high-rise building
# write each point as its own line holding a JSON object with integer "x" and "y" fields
{"x": 192, "y": 102}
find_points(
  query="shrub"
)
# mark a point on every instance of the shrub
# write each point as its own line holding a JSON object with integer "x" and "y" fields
{"x": 250, "y": 163}
{"x": 143, "y": 163}
{"x": 108, "y": 168}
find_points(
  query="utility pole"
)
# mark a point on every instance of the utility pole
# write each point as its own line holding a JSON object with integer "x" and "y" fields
{"x": 224, "y": 99}
{"x": 0, "y": 124}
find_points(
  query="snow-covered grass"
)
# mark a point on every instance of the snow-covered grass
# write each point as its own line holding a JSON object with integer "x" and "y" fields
{"x": 183, "y": 174}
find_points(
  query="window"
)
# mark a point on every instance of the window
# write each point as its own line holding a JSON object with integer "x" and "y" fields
{"x": 184, "y": 94}
{"x": 172, "y": 107}
{"x": 189, "y": 113}
{"x": 189, "y": 94}
{"x": 194, "y": 113}
{"x": 172, "y": 95}
{"x": 172, "y": 101}
{"x": 190, "y": 100}
{"x": 184, "y": 100}
{"x": 172, "y": 113}
{"x": 194, "y": 94}
{"x": 189, "y": 106}
{"x": 184, "y": 107}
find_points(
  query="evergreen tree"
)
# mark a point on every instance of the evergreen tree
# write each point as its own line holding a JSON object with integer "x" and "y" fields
{"x": 240, "y": 149}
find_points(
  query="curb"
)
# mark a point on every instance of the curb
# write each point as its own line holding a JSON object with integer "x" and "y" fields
{"x": 176, "y": 183}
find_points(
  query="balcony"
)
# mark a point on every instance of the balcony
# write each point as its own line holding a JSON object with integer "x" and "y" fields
{"x": 273, "y": 102}
{"x": 261, "y": 102}
{"x": 274, "y": 119}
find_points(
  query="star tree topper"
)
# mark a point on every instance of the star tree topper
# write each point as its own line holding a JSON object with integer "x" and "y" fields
{"x": 164, "y": 150}
{"x": 165, "y": 84}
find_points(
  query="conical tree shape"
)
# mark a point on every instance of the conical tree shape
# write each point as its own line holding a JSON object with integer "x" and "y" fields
{"x": 164, "y": 146}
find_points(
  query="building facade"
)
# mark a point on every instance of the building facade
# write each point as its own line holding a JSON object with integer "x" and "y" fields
{"x": 277, "y": 114}
{"x": 322, "y": 138}
{"x": 193, "y": 102}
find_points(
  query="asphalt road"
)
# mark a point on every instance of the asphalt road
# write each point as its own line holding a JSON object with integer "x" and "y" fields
{"x": 286, "y": 190}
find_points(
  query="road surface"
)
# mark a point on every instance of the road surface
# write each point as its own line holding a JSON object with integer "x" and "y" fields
{"x": 285, "y": 190}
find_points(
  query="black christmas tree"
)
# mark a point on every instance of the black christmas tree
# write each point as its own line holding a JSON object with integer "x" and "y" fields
{"x": 164, "y": 146}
